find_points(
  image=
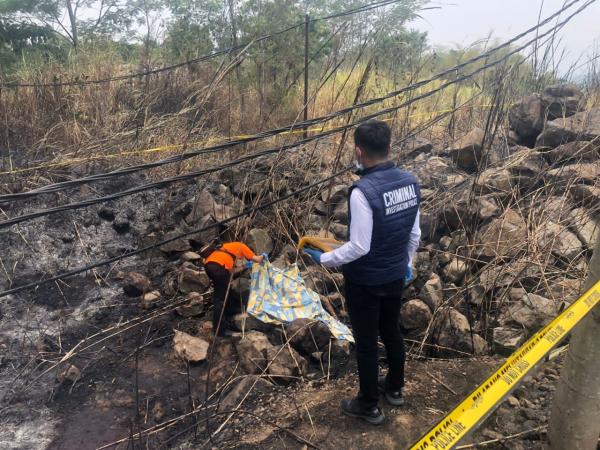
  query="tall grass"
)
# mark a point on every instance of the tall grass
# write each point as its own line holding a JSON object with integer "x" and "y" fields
{"x": 210, "y": 102}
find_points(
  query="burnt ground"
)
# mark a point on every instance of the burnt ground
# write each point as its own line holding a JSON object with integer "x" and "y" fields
{"x": 433, "y": 387}
{"x": 88, "y": 314}
{"x": 112, "y": 401}
{"x": 131, "y": 382}
{"x": 93, "y": 417}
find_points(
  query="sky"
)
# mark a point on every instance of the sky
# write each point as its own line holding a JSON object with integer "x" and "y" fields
{"x": 463, "y": 22}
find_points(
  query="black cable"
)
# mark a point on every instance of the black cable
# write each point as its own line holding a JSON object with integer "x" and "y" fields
{"x": 133, "y": 253}
{"x": 202, "y": 58}
{"x": 172, "y": 239}
{"x": 229, "y": 219}
{"x": 55, "y": 187}
{"x": 191, "y": 175}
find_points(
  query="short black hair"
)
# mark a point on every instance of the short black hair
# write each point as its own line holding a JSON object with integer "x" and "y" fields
{"x": 374, "y": 137}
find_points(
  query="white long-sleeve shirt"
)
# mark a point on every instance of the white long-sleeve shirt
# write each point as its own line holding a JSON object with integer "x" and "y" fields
{"x": 361, "y": 232}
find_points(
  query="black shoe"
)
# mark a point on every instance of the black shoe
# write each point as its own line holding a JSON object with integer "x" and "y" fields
{"x": 394, "y": 398}
{"x": 352, "y": 408}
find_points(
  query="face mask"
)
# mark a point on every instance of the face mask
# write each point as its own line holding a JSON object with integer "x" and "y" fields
{"x": 359, "y": 165}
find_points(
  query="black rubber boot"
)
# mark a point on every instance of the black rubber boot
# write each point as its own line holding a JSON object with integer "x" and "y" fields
{"x": 394, "y": 398}
{"x": 352, "y": 408}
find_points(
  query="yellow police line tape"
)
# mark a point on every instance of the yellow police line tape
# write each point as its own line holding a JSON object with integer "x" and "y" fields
{"x": 483, "y": 400}
{"x": 172, "y": 147}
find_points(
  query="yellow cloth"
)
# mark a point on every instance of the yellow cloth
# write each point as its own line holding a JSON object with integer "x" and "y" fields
{"x": 320, "y": 243}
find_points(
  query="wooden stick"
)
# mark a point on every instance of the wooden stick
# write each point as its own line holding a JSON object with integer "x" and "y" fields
{"x": 502, "y": 439}
{"x": 442, "y": 383}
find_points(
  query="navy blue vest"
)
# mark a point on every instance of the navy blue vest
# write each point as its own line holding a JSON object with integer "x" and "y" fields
{"x": 394, "y": 197}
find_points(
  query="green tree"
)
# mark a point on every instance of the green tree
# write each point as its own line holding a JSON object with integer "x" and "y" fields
{"x": 196, "y": 27}
{"x": 17, "y": 39}
{"x": 62, "y": 17}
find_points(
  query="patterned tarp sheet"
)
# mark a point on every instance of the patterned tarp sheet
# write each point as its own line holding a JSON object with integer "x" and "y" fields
{"x": 280, "y": 296}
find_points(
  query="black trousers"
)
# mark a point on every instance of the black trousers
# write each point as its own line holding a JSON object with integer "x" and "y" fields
{"x": 375, "y": 311}
{"x": 220, "y": 278}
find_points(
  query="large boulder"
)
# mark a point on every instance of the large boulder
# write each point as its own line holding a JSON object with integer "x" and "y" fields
{"x": 583, "y": 126}
{"x": 432, "y": 292}
{"x": 455, "y": 270}
{"x": 308, "y": 336}
{"x": 526, "y": 118}
{"x": 452, "y": 331}
{"x": 530, "y": 311}
{"x": 576, "y": 151}
{"x": 431, "y": 171}
{"x": 136, "y": 284}
{"x": 503, "y": 237}
{"x": 458, "y": 211}
{"x": 415, "y": 315}
{"x": 285, "y": 364}
{"x": 526, "y": 166}
{"x": 466, "y": 152}
{"x": 209, "y": 227}
{"x": 497, "y": 179}
{"x": 507, "y": 340}
{"x": 561, "y": 100}
{"x": 557, "y": 239}
{"x": 191, "y": 280}
{"x": 585, "y": 226}
{"x": 202, "y": 205}
{"x": 189, "y": 348}
{"x": 251, "y": 351}
{"x": 260, "y": 241}
{"x": 586, "y": 195}
{"x": 176, "y": 246}
{"x": 337, "y": 194}
{"x": 258, "y": 355}
{"x": 576, "y": 173}
{"x": 498, "y": 276}
{"x": 415, "y": 146}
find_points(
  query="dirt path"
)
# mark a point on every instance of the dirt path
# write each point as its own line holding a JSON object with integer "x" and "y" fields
{"x": 313, "y": 412}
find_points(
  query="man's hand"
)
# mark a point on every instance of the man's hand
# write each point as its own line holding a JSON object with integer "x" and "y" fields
{"x": 258, "y": 259}
{"x": 314, "y": 254}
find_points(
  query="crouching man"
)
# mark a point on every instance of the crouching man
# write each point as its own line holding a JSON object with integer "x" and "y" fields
{"x": 219, "y": 263}
{"x": 383, "y": 237}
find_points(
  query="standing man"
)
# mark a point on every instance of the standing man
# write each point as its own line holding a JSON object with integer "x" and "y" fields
{"x": 219, "y": 263}
{"x": 383, "y": 237}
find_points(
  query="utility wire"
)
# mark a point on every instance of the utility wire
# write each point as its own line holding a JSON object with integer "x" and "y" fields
{"x": 357, "y": 10}
{"x": 172, "y": 239}
{"x": 191, "y": 175}
{"x": 156, "y": 245}
{"x": 424, "y": 127}
{"x": 55, "y": 187}
{"x": 217, "y": 224}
